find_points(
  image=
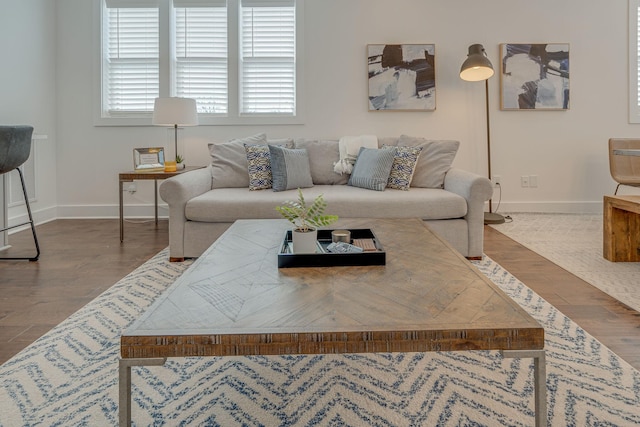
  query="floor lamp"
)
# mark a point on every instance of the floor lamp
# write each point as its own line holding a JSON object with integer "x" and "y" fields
{"x": 174, "y": 112}
{"x": 475, "y": 68}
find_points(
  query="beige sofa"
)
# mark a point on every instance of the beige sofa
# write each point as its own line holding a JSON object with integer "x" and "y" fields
{"x": 205, "y": 202}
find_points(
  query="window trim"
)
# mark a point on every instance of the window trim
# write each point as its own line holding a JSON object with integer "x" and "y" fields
{"x": 234, "y": 117}
{"x": 634, "y": 64}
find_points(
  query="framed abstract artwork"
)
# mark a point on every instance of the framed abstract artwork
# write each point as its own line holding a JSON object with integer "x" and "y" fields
{"x": 534, "y": 76}
{"x": 401, "y": 77}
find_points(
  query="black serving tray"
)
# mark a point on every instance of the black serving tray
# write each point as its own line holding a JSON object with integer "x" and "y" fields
{"x": 323, "y": 258}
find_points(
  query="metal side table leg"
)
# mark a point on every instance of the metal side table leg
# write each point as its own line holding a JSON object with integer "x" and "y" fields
{"x": 540, "y": 380}
{"x": 124, "y": 384}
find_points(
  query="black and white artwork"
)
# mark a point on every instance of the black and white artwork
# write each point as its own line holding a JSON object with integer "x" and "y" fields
{"x": 402, "y": 77}
{"x": 534, "y": 76}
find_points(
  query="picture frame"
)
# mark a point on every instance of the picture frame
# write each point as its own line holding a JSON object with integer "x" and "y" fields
{"x": 534, "y": 77}
{"x": 401, "y": 77}
{"x": 148, "y": 159}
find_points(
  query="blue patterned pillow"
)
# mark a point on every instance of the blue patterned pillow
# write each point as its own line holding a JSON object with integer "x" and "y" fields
{"x": 259, "y": 161}
{"x": 372, "y": 169}
{"x": 290, "y": 168}
{"x": 404, "y": 166}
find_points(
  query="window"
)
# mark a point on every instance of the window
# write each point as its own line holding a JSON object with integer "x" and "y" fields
{"x": 240, "y": 59}
{"x": 268, "y": 58}
{"x": 131, "y": 58}
{"x": 634, "y": 61}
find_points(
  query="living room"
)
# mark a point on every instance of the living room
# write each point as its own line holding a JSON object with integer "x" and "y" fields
{"x": 53, "y": 82}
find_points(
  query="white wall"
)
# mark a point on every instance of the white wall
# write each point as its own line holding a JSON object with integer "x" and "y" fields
{"x": 28, "y": 92}
{"x": 565, "y": 149}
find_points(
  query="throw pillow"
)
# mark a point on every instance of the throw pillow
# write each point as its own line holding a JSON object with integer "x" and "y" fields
{"x": 229, "y": 161}
{"x": 289, "y": 168}
{"x": 372, "y": 169}
{"x": 404, "y": 166}
{"x": 323, "y": 154}
{"x": 259, "y": 166}
{"x": 434, "y": 161}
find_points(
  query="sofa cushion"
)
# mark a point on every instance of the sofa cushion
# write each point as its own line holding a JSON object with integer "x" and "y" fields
{"x": 289, "y": 168}
{"x": 229, "y": 160}
{"x": 434, "y": 161}
{"x": 323, "y": 154}
{"x": 404, "y": 166}
{"x": 372, "y": 169}
{"x": 230, "y": 204}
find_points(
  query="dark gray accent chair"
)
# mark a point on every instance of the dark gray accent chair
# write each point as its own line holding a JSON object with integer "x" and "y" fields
{"x": 15, "y": 147}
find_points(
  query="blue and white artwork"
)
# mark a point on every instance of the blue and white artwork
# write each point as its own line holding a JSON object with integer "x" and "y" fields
{"x": 534, "y": 76}
{"x": 402, "y": 77}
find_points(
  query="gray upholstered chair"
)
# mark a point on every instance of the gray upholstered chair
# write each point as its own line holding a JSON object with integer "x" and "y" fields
{"x": 624, "y": 161}
{"x": 15, "y": 147}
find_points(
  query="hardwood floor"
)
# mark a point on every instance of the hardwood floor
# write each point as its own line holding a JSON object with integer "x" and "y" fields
{"x": 82, "y": 258}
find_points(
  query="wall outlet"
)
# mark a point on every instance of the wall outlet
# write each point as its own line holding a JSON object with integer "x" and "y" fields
{"x": 495, "y": 180}
{"x": 131, "y": 188}
{"x": 524, "y": 181}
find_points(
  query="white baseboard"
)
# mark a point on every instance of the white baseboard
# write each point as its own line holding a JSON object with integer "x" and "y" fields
{"x": 111, "y": 211}
{"x": 549, "y": 207}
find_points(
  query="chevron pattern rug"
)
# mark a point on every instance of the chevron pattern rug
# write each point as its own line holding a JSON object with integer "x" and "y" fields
{"x": 69, "y": 377}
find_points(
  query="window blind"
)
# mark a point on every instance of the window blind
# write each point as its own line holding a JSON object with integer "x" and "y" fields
{"x": 637, "y": 62}
{"x": 268, "y": 59}
{"x": 131, "y": 59}
{"x": 201, "y": 56}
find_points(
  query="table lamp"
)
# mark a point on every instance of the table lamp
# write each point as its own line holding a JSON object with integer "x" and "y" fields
{"x": 174, "y": 112}
{"x": 475, "y": 68}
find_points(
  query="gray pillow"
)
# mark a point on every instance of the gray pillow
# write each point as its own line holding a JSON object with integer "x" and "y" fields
{"x": 289, "y": 168}
{"x": 229, "y": 160}
{"x": 372, "y": 169}
{"x": 323, "y": 154}
{"x": 434, "y": 161}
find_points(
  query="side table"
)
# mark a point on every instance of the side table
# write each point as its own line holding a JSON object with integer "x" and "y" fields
{"x": 621, "y": 239}
{"x": 139, "y": 175}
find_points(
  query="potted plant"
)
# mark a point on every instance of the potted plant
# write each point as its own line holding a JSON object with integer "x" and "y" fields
{"x": 179, "y": 162}
{"x": 306, "y": 220}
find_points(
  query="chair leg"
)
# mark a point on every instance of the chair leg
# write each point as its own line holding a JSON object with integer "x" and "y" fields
{"x": 616, "y": 192}
{"x": 33, "y": 227}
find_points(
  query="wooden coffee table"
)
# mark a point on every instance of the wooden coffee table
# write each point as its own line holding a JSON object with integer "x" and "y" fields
{"x": 235, "y": 301}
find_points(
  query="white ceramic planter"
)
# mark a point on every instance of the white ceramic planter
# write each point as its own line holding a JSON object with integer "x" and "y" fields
{"x": 304, "y": 243}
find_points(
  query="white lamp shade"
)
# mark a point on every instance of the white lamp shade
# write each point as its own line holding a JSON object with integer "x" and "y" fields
{"x": 175, "y": 111}
{"x": 477, "y": 66}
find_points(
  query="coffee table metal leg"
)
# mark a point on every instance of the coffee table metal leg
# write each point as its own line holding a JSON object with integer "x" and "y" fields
{"x": 539, "y": 377}
{"x": 124, "y": 384}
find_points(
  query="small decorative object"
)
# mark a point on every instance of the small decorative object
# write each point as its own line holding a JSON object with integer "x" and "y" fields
{"x": 179, "y": 162}
{"x": 534, "y": 76}
{"x": 306, "y": 220}
{"x": 148, "y": 159}
{"x": 341, "y": 236}
{"x": 402, "y": 77}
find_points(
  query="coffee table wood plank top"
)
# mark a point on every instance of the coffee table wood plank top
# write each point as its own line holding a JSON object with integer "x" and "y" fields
{"x": 235, "y": 301}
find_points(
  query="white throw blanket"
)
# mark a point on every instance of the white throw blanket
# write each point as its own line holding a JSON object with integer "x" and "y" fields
{"x": 349, "y": 147}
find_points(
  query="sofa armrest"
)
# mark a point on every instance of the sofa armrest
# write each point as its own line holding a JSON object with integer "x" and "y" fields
{"x": 476, "y": 190}
{"x": 176, "y": 192}
{"x": 471, "y": 186}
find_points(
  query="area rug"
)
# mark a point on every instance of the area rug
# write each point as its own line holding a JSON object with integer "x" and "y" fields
{"x": 574, "y": 242}
{"x": 69, "y": 377}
